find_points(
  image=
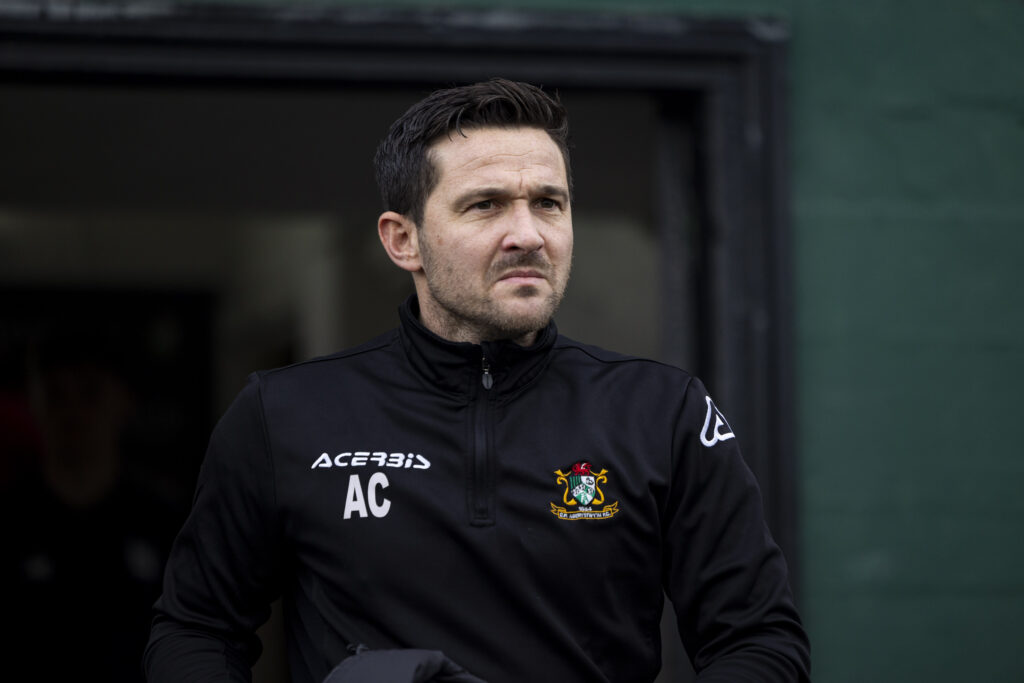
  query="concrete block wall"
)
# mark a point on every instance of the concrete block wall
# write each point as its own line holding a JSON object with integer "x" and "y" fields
{"x": 908, "y": 129}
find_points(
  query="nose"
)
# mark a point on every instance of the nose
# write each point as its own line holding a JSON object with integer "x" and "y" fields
{"x": 523, "y": 231}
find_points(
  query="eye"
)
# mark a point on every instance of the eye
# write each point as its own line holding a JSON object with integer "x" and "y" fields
{"x": 548, "y": 204}
{"x": 485, "y": 205}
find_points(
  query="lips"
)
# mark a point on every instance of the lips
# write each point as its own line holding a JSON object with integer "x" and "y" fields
{"x": 522, "y": 273}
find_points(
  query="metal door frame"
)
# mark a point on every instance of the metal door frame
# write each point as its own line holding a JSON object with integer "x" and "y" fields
{"x": 734, "y": 70}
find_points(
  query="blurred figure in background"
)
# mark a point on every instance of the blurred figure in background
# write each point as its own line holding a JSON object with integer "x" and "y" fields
{"x": 85, "y": 538}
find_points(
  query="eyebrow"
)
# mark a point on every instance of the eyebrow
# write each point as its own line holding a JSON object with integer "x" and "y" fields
{"x": 488, "y": 192}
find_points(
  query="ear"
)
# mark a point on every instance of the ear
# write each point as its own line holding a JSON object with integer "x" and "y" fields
{"x": 398, "y": 235}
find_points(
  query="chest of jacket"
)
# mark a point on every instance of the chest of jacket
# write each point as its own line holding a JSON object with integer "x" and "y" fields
{"x": 525, "y": 488}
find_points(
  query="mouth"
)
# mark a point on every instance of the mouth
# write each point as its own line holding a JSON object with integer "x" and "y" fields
{"x": 522, "y": 275}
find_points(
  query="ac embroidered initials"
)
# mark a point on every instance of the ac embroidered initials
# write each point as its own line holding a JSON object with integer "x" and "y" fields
{"x": 356, "y": 503}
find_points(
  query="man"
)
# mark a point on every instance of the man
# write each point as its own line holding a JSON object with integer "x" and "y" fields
{"x": 474, "y": 485}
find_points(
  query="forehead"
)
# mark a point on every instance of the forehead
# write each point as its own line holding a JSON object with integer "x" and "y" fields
{"x": 491, "y": 153}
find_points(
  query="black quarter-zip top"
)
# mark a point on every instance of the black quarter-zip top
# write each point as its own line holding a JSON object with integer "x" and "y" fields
{"x": 524, "y": 510}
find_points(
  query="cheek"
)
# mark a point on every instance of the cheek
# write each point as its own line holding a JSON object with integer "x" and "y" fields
{"x": 459, "y": 259}
{"x": 562, "y": 243}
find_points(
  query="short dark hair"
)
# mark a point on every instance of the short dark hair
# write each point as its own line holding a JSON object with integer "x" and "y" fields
{"x": 405, "y": 173}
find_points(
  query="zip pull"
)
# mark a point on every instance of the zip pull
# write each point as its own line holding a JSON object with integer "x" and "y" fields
{"x": 487, "y": 379}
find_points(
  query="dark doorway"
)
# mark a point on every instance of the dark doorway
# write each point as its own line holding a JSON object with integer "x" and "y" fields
{"x": 226, "y": 150}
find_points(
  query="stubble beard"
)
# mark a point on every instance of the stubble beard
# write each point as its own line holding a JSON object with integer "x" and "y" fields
{"x": 471, "y": 318}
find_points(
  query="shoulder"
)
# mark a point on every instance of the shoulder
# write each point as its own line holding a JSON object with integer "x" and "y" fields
{"x": 643, "y": 381}
{"x": 569, "y": 350}
{"x": 308, "y": 381}
{"x": 325, "y": 368}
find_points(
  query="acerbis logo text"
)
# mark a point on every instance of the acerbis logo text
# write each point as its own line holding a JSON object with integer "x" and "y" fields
{"x": 369, "y": 458}
{"x": 362, "y": 501}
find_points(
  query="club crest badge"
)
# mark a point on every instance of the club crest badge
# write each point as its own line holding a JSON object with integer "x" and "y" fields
{"x": 582, "y": 496}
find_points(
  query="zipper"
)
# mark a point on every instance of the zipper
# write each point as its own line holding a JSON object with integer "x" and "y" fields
{"x": 480, "y": 495}
{"x": 486, "y": 379}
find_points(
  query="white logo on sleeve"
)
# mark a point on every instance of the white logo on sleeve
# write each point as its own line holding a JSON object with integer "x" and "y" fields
{"x": 712, "y": 433}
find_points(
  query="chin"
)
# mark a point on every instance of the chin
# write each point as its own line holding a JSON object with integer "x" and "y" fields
{"x": 528, "y": 314}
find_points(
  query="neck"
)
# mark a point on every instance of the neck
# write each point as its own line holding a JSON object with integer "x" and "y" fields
{"x": 455, "y": 329}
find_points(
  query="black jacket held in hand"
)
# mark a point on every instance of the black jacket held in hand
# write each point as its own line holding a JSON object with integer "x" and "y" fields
{"x": 518, "y": 509}
{"x": 398, "y": 666}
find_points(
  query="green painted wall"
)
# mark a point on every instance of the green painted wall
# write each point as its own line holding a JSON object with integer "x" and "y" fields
{"x": 909, "y": 216}
{"x": 907, "y": 135}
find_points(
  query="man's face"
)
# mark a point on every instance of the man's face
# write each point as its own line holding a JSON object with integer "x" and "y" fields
{"x": 495, "y": 242}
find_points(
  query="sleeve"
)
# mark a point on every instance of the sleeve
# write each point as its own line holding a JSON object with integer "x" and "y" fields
{"x": 222, "y": 573}
{"x": 725, "y": 575}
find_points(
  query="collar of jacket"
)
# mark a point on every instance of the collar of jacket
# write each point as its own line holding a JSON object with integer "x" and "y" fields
{"x": 458, "y": 367}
